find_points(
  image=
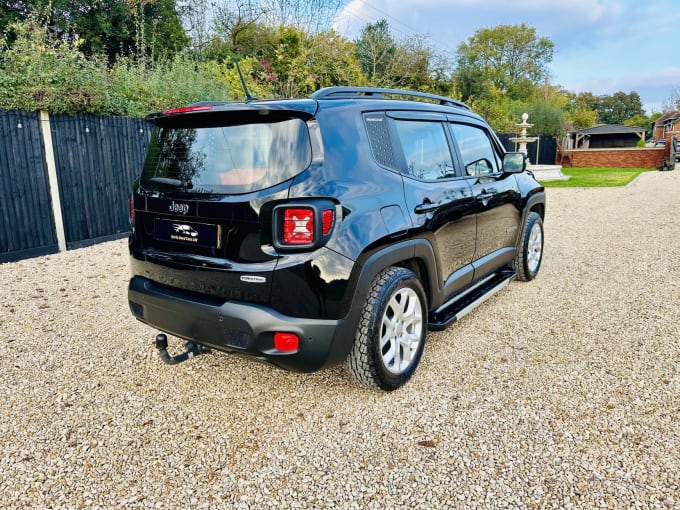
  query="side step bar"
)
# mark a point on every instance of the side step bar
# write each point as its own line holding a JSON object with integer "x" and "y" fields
{"x": 464, "y": 303}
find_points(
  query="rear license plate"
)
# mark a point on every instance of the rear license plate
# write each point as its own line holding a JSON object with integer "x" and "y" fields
{"x": 194, "y": 234}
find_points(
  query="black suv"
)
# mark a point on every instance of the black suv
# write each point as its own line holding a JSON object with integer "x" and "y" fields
{"x": 336, "y": 228}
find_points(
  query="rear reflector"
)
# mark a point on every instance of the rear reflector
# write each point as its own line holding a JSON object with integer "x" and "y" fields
{"x": 327, "y": 218}
{"x": 286, "y": 342}
{"x": 189, "y": 109}
{"x": 298, "y": 226}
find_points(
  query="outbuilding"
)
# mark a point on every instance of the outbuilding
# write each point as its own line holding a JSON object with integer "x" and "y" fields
{"x": 607, "y": 136}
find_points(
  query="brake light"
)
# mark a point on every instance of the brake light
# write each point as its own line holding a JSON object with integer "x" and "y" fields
{"x": 286, "y": 342}
{"x": 189, "y": 109}
{"x": 298, "y": 226}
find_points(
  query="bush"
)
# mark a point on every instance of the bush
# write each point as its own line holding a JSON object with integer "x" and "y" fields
{"x": 39, "y": 72}
{"x": 142, "y": 87}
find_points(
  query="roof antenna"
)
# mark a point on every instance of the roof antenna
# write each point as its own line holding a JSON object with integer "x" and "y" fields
{"x": 243, "y": 82}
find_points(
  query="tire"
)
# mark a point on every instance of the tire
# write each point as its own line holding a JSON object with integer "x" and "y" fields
{"x": 391, "y": 335}
{"x": 530, "y": 253}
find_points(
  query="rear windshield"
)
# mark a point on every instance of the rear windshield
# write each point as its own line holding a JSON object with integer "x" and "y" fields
{"x": 226, "y": 159}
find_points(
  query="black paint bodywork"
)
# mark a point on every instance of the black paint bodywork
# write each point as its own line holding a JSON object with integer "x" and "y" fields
{"x": 451, "y": 233}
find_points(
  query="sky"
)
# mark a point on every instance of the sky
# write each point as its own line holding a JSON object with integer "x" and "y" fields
{"x": 601, "y": 46}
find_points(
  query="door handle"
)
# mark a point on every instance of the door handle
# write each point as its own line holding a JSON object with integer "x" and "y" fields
{"x": 426, "y": 207}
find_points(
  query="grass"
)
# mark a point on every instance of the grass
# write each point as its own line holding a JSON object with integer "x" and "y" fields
{"x": 596, "y": 177}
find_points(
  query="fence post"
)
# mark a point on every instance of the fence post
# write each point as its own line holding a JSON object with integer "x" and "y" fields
{"x": 53, "y": 181}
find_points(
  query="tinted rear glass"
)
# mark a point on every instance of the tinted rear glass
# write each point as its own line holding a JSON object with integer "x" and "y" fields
{"x": 226, "y": 159}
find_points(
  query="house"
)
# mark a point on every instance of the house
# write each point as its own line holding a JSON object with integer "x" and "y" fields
{"x": 669, "y": 121}
{"x": 607, "y": 136}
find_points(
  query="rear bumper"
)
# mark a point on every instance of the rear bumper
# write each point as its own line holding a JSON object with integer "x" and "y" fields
{"x": 240, "y": 327}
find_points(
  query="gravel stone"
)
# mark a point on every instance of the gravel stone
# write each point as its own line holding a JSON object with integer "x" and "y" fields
{"x": 559, "y": 393}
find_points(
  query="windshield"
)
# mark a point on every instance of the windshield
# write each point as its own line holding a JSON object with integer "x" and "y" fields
{"x": 226, "y": 159}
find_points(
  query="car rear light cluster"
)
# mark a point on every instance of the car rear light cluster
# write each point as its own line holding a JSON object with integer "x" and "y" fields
{"x": 303, "y": 225}
{"x": 298, "y": 226}
{"x": 132, "y": 210}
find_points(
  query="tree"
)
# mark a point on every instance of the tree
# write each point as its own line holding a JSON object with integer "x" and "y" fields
{"x": 416, "y": 66}
{"x": 236, "y": 21}
{"x": 109, "y": 27}
{"x": 310, "y": 15}
{"x": 508, "y": 57}
{"x": 672, "y": 103}
{"x": 611, "y": 109}
{"x": 619, "y": 107}
{"x": 375, "y": 50}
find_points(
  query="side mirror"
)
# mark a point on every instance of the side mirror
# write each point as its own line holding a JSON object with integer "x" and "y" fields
{"x": 514, "y": 162}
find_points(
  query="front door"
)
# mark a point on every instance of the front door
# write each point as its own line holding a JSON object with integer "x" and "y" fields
{"x": 496, "y": 195}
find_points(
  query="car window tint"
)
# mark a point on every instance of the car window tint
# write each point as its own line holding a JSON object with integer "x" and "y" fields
{"x": 227, "y": 159}
{"x": 426, "y": 150}
{"x": 479, "y": 157}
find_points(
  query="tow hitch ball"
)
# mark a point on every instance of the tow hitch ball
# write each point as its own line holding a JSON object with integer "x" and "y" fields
{"x": 191, "y": 350}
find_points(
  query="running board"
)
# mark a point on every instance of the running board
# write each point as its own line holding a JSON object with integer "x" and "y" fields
{"x": 464, "y": 303}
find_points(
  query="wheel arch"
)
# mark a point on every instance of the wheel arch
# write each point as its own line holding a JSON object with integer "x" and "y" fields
{"x": 417, "y": 255}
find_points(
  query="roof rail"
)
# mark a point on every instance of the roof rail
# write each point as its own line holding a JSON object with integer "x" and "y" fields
{"x": 380, "y": 93}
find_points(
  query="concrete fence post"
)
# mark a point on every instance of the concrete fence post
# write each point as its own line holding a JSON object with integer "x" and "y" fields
{"x": 46, "y": 132}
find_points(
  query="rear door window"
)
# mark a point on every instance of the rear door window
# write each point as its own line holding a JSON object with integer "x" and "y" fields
{"x": 426, "y": 150}
{"x": 226, "y": 159}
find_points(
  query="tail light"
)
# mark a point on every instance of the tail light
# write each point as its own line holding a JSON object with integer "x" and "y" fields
{"x": 298, "y": 226}
{"x": 303, "y": 225}
{"x": 132, "y": 210}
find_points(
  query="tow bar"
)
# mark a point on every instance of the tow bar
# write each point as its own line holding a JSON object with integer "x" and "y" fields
{"x": 191, "y": 350}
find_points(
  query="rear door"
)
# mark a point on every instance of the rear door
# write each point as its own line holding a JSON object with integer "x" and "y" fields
{"x": 203, "y": 204}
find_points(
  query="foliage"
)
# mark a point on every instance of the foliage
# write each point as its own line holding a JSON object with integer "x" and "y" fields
{"x": 581, "y": 117}
{"x": 611, "y": 109}
{"x": 125, "y": 57}
{"x": 40, "y": 72}
{"x": 597, "y": 177}
{"x": 138, "y": 88}
{"x": 104, "y": 27}
{"x": 375, "y": 50}
{"x": 507, "y": 57}
{"x": 618, "y": 107}
{"x": 546, "y": 119}
{"x": 498, "y": 110}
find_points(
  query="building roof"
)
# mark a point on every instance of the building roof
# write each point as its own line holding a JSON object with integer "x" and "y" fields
{"x": 666, "y": 117}
{"x": 609, "y": 129}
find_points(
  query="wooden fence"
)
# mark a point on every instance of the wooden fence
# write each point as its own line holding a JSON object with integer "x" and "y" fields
{"x": 65, "y": 180}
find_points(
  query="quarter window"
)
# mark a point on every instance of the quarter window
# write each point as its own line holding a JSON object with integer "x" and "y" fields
{"x": 426, "y": 149}
{"x": 479, "y": 157}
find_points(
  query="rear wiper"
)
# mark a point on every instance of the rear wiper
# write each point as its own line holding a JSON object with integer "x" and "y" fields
{"x": 175, "y": 183}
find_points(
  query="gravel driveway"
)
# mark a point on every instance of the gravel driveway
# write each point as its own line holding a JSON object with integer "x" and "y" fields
{"x": 559, "y": 393}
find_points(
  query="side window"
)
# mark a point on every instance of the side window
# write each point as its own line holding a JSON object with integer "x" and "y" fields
{"x": 379, "y": 138}
{"x": 426, "y": 149}
{"x": 479, "y": 157}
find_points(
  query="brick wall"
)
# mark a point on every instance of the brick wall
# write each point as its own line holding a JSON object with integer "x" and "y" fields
{"x": 619, "y": 158}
